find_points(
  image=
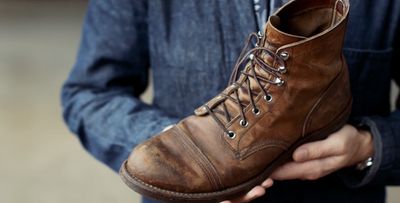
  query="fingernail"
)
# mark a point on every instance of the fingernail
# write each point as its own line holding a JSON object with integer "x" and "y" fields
{"x": 267, "y": 183}
{"x": 301, "y": 155}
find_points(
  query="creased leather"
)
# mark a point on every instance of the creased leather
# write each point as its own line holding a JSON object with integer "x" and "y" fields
{"x": 314, "y": 98}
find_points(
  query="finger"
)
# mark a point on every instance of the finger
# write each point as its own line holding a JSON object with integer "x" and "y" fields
{"x": 318, "y": 149}
{"x": 267, "y": 183}
{"x": 286, "y": 172}
{"x": 309, "y": 170}
{"x": 254, "y": 193}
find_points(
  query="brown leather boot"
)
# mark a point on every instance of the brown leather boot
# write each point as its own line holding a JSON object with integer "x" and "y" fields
{"x": 294, "y": 88}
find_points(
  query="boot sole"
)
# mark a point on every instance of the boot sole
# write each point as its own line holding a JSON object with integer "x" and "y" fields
{"x": 230, "y": 193}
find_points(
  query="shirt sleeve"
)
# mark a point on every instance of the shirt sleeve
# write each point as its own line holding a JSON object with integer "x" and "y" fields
{"x": 100, "y": 97}
{"x": 385, "y": 131}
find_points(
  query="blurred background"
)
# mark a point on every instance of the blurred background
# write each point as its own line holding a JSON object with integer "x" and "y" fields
{"x": 41, "y": 161}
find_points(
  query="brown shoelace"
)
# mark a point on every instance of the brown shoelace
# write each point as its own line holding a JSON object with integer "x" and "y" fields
{"x": 254, "y": 56}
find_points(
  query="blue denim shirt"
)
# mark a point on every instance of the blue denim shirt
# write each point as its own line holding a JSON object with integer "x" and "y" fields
{"x": 190, "y": 47}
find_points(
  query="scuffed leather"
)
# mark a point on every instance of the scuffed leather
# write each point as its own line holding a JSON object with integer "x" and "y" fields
{"x": 196, "y": 155}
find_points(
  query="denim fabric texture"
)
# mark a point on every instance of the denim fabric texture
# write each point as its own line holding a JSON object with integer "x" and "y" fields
{"x": 190, "y": 47}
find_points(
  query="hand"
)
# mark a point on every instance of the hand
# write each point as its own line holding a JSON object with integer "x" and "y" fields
{"x": 344, "y": 148}
{"x": 254, "y": 193}
{"x": 313, "y": 160}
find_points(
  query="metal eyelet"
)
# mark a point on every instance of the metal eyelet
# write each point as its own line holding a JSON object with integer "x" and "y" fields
{"x": 284, "y": 55}
{"x": 279, "y": 81}
{"x": 243, "y": 123}
{"x": 251, "y": 56}
{"x": 259, "y": 34}
{"x": 231, "y": 135}
{"x": 256, "y": 111}
{"x": 282, "y": 69}
{"x": 268, "y": 97}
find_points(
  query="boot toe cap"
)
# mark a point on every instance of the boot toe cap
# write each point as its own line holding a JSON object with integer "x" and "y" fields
{"x": 163, "y": 163}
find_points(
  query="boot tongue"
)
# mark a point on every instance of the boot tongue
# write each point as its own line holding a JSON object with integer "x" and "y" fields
{"x": 274, "y": 38}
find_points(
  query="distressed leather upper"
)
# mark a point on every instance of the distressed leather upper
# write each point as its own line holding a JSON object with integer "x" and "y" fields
{"x": 196, "y": 155}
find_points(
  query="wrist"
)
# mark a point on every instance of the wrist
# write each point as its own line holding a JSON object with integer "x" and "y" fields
{"x": 367, "y": 144}
{"x": 366, "y": 150}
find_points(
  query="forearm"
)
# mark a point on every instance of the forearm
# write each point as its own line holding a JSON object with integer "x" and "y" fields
{"x": 100, "y": 97}
{"x": 109, "y": 124}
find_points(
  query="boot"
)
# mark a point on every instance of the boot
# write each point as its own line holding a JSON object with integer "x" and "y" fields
{"x": 293, "y": 88}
